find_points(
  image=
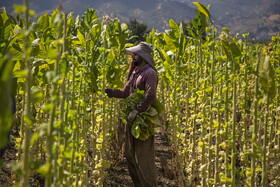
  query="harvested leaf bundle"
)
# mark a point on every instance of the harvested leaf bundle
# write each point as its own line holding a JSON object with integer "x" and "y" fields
{"x": 143, "y": 125}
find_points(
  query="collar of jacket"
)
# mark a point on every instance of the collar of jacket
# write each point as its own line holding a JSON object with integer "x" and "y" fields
{"x": 137, "y": 70}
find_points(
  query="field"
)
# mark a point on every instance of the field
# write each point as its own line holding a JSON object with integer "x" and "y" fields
{"x": 221, "y": 95}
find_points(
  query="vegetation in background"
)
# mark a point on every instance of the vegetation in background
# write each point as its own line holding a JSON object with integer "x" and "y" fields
{"x": 139, "y": 30}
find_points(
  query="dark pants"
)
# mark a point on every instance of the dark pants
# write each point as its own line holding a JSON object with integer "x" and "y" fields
{"x": 140, "y": 157}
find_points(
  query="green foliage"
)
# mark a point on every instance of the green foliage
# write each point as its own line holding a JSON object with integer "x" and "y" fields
{"x": 198, "y": 25}
{"x": 204, "y": 10}
{"x": 267, "y": 78}
{"x": 138, "y": 30}
{"x": 6, "y": 67}
{"x": 143, "y": 125}
{"x": 231, "y": 49}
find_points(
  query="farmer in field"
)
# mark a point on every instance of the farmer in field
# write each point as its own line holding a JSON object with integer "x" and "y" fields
{"x": 143, "y": 76}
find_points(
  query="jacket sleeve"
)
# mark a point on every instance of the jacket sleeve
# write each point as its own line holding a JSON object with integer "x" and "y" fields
{"x": 151, "y": 81}
{"x": 122, "y": 93}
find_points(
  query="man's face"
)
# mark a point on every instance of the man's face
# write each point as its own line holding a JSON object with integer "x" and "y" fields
{"x": 135, "y": 57}
{"x": 137, "y": 60}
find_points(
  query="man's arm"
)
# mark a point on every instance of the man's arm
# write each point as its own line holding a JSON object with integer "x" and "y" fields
{"x": 119, "y": 93}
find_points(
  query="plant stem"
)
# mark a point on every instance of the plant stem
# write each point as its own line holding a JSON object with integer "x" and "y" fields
{"x": 27, "y": 111}
{"x": 227, "y": 122}
{"x": 233, "y": 149}
{"x": 217, "y": 170}
{"x": 253, "y": 163}
{"x": 246, "y": 109}
{"x": 62, "y": 103}
{"x": 264, "y": 169}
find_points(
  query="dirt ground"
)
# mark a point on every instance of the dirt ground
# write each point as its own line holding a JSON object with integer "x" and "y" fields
{"x": 5, "y": 173}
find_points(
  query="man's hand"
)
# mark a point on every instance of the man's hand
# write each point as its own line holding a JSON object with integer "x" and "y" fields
{"x": 109, "y": 92}
{"x": 131, "y": 116}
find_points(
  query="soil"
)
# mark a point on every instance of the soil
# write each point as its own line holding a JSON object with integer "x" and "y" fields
{"x": 6, "y": 176}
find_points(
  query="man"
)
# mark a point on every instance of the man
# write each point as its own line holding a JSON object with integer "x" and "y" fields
{"x": 140, "y": 155}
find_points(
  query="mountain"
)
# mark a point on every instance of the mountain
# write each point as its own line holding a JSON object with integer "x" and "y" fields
{"x": 259, "y": 17}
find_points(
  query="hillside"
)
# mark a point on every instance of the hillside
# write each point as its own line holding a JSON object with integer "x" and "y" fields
{"x": 259, "y": 17}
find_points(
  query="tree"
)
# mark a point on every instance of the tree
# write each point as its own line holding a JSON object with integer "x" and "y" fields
{"x": 138, "y": 29}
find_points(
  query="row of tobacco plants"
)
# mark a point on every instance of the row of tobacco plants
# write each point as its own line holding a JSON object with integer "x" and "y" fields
{"x": 221, "y": 98}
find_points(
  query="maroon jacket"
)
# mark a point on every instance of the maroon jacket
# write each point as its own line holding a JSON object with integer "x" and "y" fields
{"x": 145, "y": 79}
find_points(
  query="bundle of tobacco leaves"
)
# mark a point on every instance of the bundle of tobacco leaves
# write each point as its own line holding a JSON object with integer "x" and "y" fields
{"x": 143, "y": 125}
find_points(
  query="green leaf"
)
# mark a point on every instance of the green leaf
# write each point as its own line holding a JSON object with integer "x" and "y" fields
{"x": 44, "y": 169}
{"x": 31, "y": 13}
{"x": 173, "y": 25}
{"x": 151, "y": 112}
{"x": 35, "y": 45}
{"x": 81, "y": 38}
{"x": 7, "y": 27}
{"x": 154, "y": 120}
{"x": 19, "y": 9}
{"x": 231, "y": 49}
{"x": 51, "y": 76}
{"x": 170, "y": 42}
{"x": 34, "y": 138}
{"x": 111, "y": 56}
{"x": 64, "y": 67}
{"x": 203, "y": 10}
{"x": 158, "y": 106}
{"x": 28, "y": 120}
{"x": 151, "y": 129}
{"x": 52, "y": 53}
{"x": 168, "y": 71}
{"x": 135, "y": 130}
{"x": 43, "y": 22}
{"x": 209, "y": 89}
{"x": 90, "y": 16}
{"x": 168, "y": 66}
{"x": 267, "y": 79}
{"x": 37, "y": 94}
{"x": 17, "y": 52}
{"x": 6, "y": 68}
